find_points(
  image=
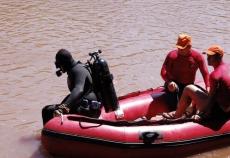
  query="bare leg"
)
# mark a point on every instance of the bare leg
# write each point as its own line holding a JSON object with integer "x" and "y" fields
{"x": 190, "y": 93}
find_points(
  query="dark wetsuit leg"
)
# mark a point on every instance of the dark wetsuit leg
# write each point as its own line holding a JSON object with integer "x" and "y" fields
{"x": 47, "y": 112}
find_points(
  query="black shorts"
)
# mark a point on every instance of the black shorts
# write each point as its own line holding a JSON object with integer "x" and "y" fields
{"x": 174, "y": 97}
{"x": 217, "y": 111}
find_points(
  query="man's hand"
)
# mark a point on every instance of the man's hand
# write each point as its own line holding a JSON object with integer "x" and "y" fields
{"x": 62, "y": 109}
{"x": 172, "y": 86}
{"x": 57, "y": 113}
{"x": 197, "y": 118}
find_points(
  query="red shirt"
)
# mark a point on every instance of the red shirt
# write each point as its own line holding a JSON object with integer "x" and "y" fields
{"x": 220, "y": 83}
{"x": 183, "y": 69}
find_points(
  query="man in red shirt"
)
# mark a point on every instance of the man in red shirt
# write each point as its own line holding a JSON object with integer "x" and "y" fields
{"x": 217, "y": 102}
{"x": 179, "y": 69}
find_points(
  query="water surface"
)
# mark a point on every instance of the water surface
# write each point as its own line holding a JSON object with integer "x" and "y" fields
{"x": 134, "y": 35}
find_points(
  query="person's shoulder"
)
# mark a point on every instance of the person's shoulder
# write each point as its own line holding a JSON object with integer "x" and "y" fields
{"x": 196, "y": 53}
{"x": 224, "y": 65}
{"x": 218, "y": 72}
{"x": 79, "y": 64}
{"x": 78, "y": 67}
{"x": 173, "y": 53}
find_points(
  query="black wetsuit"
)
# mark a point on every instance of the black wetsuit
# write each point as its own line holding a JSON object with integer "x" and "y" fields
{"x": 80, "y": 85}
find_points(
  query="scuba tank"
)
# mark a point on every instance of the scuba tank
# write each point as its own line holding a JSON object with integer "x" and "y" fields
{"x": 103, "y": 82}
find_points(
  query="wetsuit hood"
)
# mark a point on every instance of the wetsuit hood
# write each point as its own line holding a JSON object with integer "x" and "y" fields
{"x": 64, "y": 59}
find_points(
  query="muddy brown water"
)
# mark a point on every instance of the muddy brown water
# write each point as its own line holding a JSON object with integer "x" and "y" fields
{"x": 134, "y": 35}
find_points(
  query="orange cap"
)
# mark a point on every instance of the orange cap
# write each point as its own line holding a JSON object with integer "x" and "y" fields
{"x": 183, "y": 41}
{"x": 214, "y": 49}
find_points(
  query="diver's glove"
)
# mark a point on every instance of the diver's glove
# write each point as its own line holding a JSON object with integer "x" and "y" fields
{"x": 62, "y": 109}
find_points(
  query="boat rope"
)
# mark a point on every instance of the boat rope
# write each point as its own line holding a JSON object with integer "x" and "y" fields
{"x": 128, "y": 123}
{"x": 62, "y": 120}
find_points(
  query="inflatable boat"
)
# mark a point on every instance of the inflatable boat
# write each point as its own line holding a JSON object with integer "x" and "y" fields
{"x": 130, "y": 137}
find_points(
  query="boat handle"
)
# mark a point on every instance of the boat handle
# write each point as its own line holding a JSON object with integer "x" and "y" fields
{"x": 150, "y": 135}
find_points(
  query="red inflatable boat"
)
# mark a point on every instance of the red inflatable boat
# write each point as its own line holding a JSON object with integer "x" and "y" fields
{"x": 109, "y": 137}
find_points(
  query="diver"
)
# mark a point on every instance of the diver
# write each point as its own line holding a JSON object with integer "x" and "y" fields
{"x": 82, "y": 100}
